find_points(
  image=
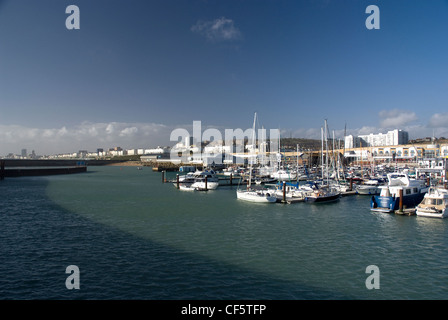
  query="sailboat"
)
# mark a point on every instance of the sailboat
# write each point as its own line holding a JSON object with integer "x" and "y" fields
{"x": 251, "y": 194}
{"x": 324, "y": 193}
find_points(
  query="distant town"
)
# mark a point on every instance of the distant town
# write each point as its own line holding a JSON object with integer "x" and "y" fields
{"x": 394, "y": 144}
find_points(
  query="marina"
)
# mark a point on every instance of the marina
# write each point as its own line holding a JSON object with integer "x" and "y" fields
{"x": 397, "y": 192}
{"x": 134, "y": 237}
{"x": 179, "y": 154}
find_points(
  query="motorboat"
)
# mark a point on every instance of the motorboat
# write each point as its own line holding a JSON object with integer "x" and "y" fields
{"x": 369, "y": 187}
{"x": 256, "y": 195}
{"x": 413, "y": 191}
{"x": 291, "y": 192}
{"x": 198, "y": 180}
{"x": 283, "y": 175}
{"x": 434, "y": 203}
{"x": 205, "y": 180}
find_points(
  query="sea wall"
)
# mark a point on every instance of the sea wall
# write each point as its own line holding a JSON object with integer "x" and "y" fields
{"x": 31, "y": 172}
{"x": 9, "y": 163}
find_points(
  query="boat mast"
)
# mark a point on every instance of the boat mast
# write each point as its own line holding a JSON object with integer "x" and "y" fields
{"x": 297, "y": 165}
{"x": 322, "y": 152}
{"x": 326, "y": 150}
{"x": 252, "y": 152}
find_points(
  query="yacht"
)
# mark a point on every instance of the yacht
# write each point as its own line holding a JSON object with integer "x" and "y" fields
{"x": 369, "y": 187}
{"x": 283, "y": 175}
{"x": 254, "y": 195}
{"x": 413, "y": 191}
{"x": 198, "y": 180}
{"x": 250, "y": 194}
{"x": 434, "y": 203}
{"x": 205, "y": 180}
{"x": 323, "y": 193}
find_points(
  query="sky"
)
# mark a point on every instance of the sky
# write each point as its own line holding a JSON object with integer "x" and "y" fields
{"x": 136, "y": 70}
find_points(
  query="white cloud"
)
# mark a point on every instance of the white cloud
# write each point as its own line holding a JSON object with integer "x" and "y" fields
{"x": 128, "y": 132}
{"x": 221, "y": 29}
{"x": 396, "y": 118}
{"x": 439, "y": 120}
{"x": 86, "y": 136}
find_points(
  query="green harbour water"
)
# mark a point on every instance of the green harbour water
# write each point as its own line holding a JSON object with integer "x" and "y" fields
{"x": 134, "y": 237}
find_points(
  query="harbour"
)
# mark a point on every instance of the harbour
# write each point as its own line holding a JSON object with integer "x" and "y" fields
{"x": 134, "y": 237}
{"x": 179, "y": 154}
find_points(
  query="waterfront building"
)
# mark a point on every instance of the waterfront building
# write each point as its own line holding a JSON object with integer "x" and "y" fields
{"x": 416, "y": 153}
{"x": 391, "y": 138}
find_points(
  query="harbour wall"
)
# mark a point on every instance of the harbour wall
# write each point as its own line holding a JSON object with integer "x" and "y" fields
{"x": 10, "y": 163}
{"x": 32, "y": 172}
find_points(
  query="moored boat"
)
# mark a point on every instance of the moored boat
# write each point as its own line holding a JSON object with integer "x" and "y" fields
{"x": 199, "y": 180}
{"x": 412, "y": 191}
{"x": 434, "y": 203}
{"x": 323, "y": 193}
{"x": 252, "y": 195}
{"x": 369, "y": 187}
{"x": 205, "y": 180}
{"x": 283, "y": 175}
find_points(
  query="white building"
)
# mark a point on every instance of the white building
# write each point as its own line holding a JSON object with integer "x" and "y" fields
{"x": 391, "y": 138}
{"x": 158, "y": 150}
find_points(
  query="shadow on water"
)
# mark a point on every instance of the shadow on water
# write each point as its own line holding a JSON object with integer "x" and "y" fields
{"x": 40, "y": 239}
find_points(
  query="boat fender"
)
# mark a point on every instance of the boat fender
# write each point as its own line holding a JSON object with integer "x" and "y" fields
{"x": 268, "y": 194}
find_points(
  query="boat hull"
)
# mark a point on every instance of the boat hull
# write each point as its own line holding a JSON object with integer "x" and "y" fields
{"x": 255, "y": 196}
{"x": 322, "y": 199}
{"x": 431, "y": 213}
{"x": 205, "y": 186}
{"x": 434, "y": 204}
{"x": 367, "y": 190}
{"x": 391, "y": 204}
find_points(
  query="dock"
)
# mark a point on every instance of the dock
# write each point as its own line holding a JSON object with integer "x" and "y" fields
{"x": 406, "y": 212}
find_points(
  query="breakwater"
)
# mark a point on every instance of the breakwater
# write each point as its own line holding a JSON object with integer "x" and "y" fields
{"x": 9, "y": 163}
{"x": 29, "y": 168}
{"x": 31, "y": 172}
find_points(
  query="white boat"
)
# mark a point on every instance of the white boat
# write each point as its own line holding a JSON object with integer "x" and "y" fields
{"x": 291, "y": 194}
{"x": 205, "y": 180}
{"x": 434, "y": 204}
{"x": 230, "y": 172}
{"x": 368, "y": 187}
{"x": 262, "y": 196}
{"x": 283, "y": 175}
{"x": 186, "y": 187}
{"x": 199, "y": 180}
{"x": 250, "y": 194}
{"x": 323, "y": 192}
{"x": 185, "y": 180}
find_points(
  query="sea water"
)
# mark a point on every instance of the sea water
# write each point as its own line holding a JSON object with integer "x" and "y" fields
{"x": 134, "y": 237}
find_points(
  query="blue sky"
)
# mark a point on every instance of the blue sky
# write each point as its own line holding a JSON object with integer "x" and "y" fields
{"x": 136, "y": 70}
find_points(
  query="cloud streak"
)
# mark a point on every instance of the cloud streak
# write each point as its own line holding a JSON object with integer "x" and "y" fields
{"x": 396, "y": 118}
{"x": 439, "y": 120}
{"x": 217, "y": 30}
